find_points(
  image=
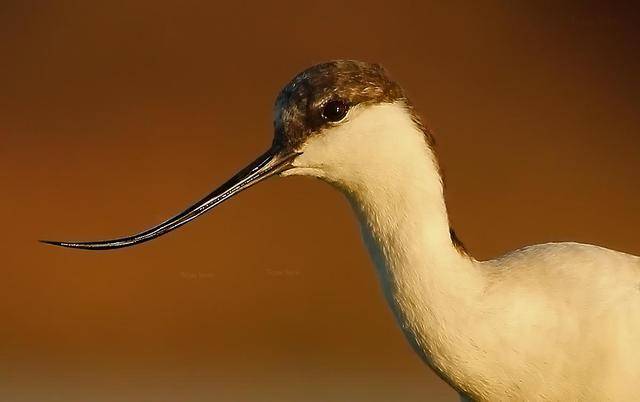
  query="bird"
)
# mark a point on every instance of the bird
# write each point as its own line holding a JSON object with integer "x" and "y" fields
{"x": 548, "y": 322}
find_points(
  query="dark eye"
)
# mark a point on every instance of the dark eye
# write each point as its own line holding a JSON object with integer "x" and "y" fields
{"x": 335, "y": 110}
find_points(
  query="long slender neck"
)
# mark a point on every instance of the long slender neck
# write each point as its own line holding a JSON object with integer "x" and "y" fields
{"x": 430, "y": 285}
{"x": 379, "y": 158}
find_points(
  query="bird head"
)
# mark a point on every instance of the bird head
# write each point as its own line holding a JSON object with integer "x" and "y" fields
{"x": 344, "y": 121}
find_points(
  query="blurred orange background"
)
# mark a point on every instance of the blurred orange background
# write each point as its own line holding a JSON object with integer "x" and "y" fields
{"x": 116, "y": 115}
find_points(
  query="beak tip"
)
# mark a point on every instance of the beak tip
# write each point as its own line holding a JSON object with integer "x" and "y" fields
{"x": 60, "y": 243}
{"x": 85, "y": 246}
{"x": 51, "y": 242}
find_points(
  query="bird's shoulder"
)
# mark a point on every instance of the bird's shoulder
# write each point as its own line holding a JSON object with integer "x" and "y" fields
{"x": 559, "y": 250}
{"x": 565, "y": 257}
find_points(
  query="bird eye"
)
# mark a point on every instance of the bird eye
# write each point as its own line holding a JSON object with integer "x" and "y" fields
{"x": 335, "y": 110}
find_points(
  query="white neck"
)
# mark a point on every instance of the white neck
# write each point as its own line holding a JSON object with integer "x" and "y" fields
{"x": 379, "y": 159}
{"x": 428, "y": 283}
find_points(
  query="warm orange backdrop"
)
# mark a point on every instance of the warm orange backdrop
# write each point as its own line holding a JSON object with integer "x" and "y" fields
{"x": 115, "y": 115}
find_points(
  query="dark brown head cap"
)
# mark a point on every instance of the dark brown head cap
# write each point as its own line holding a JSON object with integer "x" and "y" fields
{"x": 298, "y": 108}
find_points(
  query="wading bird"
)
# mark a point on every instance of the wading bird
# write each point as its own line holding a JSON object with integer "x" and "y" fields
{"x": 557, "y": 321}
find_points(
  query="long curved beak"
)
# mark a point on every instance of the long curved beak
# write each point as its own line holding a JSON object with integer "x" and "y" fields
{"x": 272, "y": 162}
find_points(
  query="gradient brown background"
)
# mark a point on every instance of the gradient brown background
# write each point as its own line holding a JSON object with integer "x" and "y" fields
{"x": 115, "y": 115}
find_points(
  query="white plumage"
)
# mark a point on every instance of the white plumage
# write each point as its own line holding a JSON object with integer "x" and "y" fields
{"x": 556, "y": 321}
